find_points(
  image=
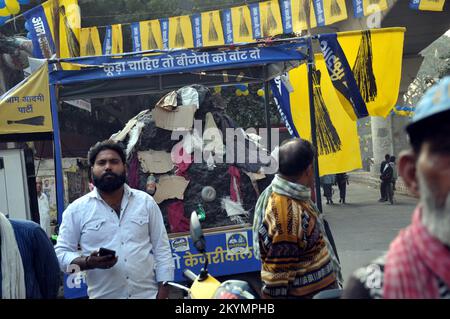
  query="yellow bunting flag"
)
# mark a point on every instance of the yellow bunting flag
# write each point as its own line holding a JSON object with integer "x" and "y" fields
{"x": 69, "y": 28}
{"x": 90, "y": 42}
{"x": 334, "y": 10}
{"x": 151, "y": 37}
{"x": 429, "y": 5}
{"x": 375, "y": 59}
{"x": 212, "y": 32}
{"x": 299, "y": 15}
{"x": 242, "y": 25}
{"x": 337, "y": 137}
{"x": 180, "y": 32}
{"x": 372, "y": 6}
{"x": 26, "y": 107}
{"x": 117, "y": 39}
{"x": 270, "y": 18}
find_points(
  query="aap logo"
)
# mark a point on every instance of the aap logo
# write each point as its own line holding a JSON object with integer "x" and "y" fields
{"x": 180, "y": 244}
{"x": 237, "y": 243}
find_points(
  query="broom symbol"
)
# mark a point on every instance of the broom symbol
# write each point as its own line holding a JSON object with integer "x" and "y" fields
{"x": 151, "y": 42}
{"x": 301, "y": 12}
{"x": 212, "y": 33}
{"x": 270, "y": 22}
{"x": 118, "y": 46}
{"x": 90, "y": 49}
{"x": 243, "y": 29}
{"x": 363, "y": 69}
{"x": 179, "y": 39}
{"x": 327, "y": 137}
{"x": 72, "y": 41}
{"x": 37, "y": 120}
{"x": 335, "y": 8}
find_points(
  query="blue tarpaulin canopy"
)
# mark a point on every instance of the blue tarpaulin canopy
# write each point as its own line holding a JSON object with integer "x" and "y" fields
{"x": 156, "y": 71}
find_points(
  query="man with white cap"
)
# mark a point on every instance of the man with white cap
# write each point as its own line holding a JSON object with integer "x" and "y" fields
{"x": 417, "y": 264}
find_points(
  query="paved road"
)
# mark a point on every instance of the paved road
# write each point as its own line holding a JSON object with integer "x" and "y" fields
{"x": 363, "y": 228}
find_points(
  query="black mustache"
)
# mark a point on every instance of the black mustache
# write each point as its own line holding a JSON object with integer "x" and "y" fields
{"x": 109, "y": 174}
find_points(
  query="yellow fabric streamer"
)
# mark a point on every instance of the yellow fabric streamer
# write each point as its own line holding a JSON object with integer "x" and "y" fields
{"x": 337, "y": 137}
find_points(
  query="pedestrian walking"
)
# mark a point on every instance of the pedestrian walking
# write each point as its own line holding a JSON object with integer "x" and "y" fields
{"x": 342, "y": 182}
{"x": 327, "y": 182}
{"x": 383, "y": 195}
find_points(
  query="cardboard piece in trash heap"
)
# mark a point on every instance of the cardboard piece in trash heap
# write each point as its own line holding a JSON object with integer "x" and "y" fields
{"x": 180, "y": 119}
{"x": 170, "y": 186}
{"x": 157, "y": 162}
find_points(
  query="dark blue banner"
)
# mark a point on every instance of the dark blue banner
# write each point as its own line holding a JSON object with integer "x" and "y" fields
{"x": 282, "y": 99}
{"x": 227, "y": 254}
{"x": 107, "y": 42}
{"x": 196, "y": 20}
{"x": 227, "y": 22}
{"x": 286, "y": 15}
{"x": 165, "y": 32}
{"x": 173, "y": 62}
{"x": 256, "y": 21}
{"x": 341, "y": 74}
{"x": 41, "y": 36}
{"x": 320, "y": 14}
{"x": 358, "y": 8}
{"x": 136, "y": 36}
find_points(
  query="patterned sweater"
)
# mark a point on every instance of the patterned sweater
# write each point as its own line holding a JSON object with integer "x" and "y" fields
{"x": 294, "y": 255}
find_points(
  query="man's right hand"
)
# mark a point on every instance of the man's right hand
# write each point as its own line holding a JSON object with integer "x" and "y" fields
{"x": 94, "y": 261}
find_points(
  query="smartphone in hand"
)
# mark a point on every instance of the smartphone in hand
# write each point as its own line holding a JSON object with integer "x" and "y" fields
{"x": 106, "y": 252}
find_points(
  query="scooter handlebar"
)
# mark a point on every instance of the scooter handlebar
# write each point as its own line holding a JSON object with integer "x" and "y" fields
{"x": 189, "y": 275}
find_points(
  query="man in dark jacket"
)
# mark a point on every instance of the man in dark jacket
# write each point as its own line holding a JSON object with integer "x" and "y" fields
{"x": 29, "y": 267}
{"x": 383, "y": 165}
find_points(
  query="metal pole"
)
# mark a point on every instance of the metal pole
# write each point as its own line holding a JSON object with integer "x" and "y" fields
{"x": 57, "y": 154}
{"x": 267, "y": 107}
{"x": 312, "y": 112}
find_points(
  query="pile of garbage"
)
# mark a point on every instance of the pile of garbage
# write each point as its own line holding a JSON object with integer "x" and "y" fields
{"x": 177, "y": 152}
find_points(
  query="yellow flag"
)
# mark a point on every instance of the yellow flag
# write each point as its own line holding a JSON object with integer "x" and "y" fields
{"x": 117, "y": 39}
{"x": 212, "y": 32}
{"x": 69, "y": 28}
{"x": 432, "y": 5}
{"x": 337, "y": 137}
{"x": 334, "y": 10}
{"x": 26, "y": 107}
{"x": 151, "y": 37}
{"x": 90, "y": 42}
{"x": 372, "y": 6}
{"x": 270, "y": 17}
{"x": 242, "y": 24}
{"x": 375, "y": 58}
{"x": 299, "y": 15}
{"x": 180, "y": 32}
{"x": 48, "y": 10}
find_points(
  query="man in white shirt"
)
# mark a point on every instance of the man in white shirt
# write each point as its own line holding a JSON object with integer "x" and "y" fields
{"x": 121, "y": 219}
{"x": 44, "y": 208}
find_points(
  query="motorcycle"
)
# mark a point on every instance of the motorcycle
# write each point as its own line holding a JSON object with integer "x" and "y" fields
{"x": 203, "y": 285}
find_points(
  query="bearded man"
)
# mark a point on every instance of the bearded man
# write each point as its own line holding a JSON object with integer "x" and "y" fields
{"x": 417, "y": 264}
{"x": 118, "y": 218}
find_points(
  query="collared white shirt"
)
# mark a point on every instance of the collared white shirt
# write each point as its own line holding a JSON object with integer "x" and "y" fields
{"x": 44, "y": 214}
{"x": 138, "y": 237}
